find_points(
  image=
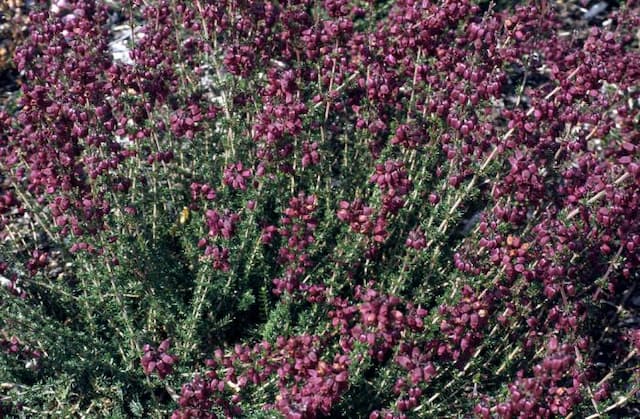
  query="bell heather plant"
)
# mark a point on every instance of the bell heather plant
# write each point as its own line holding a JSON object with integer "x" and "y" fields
{"x": 321, "y": 208}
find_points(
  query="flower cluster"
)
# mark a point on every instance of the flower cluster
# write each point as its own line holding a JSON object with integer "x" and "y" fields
{"x": 221, "y": 225}
{"x": 307, "y": 385}
{"x": 236, "y": 176}
{"x": 416, "y": 239}
{"x": 363, "y": 219}
{"x": 377, "y": 321}
{"x": 392, "y": 178}
{"x": 204, "y": 191}
{"x": 463, "y": 323}
{"x": 297, "y": 226}
{"x": 13, "y": 347}
{"x": 158, "y": 361}
{"x": 548, "y": 392}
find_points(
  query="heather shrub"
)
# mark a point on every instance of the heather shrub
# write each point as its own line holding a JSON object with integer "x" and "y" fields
{"x": 337, "y": 208}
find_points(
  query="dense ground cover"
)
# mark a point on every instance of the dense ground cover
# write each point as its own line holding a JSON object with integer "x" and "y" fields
{"x": 338, "y": 208}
